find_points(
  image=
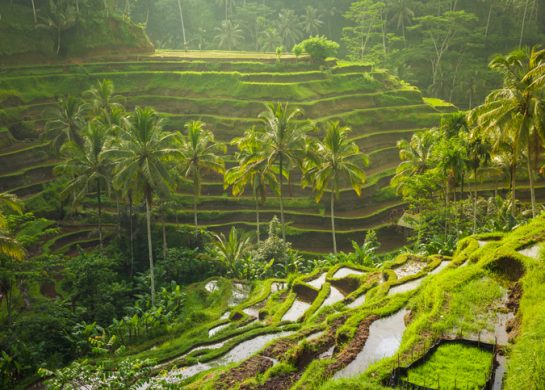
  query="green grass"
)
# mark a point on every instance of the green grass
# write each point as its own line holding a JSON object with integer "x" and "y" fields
{"x": 453, "y": 366}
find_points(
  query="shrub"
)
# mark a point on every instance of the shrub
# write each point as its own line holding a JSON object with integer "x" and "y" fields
{"x": 319, "y": 48}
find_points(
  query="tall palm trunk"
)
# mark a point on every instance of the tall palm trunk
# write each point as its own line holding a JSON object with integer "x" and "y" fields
{"x": 257, "y": 229}
{"x": 513, "y": 189}
{"x": 150, "y": 248}
{"x": 34, "y": 11}
{"x": 531, "y": 177}
{"x": 131, "y": 234}
{"x": 195, "y": 211}
{"x": 523, "y": 22}
{"x": 165, "y": 243}
{"x": 99, "y": 205}
{"x": 475, "y": 203}
{"x": 182, "y": 22}
{"x": 333, "y": 222}
{"x": 281, "y": 166}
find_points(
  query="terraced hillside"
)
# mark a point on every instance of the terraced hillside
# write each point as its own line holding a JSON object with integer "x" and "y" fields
{"x": 228, "y": 93}
{"x": 475, "y": 318}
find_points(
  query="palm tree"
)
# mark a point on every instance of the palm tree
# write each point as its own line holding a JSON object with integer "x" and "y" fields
{"x": 269, "y": 39}
{"x": 402, "y": 15}
{"x": 198, "y": 154}
{"x": 415, "y": 156}
{"x": 9, "y": 246}
{"x": 311, "y": 21}
{"x": 252, "y": 169}
{"x": 232, "y": 249}
{"x": 62, "y": 16}
{"x": 229, "y": 35}
{"x": 286, "y": 140}
{"x": 517, "y": 108}
{"x": 65, "y": 123}
{"x": 336, "y": 160}
{"x": 101, "y": 101}
{"x": 288, "y": 27}
{"x": 479, "y": 156}
{"x": 87, "y": 167}
{"x": 142, "y": 159}
{"x": 228, "y": 4}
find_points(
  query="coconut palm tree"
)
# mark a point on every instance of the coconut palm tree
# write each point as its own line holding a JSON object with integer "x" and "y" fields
{"x": 401, "y": 15}
{"x": 229, "y": 35}
{"x": 336, "y": 160}
{"x": 232, "y": 249}
{"x": 288, "y": 27}
{"x": 198, "y": 153}
{"x": 479, "y": 153}
{"x": 416, "y": 158}
{"x": 286, "y": 141}
{"x": 62, "y": 16}
{"x": 517, "y": 108}
{"x": 311, "y": 21}
{"x": 142, "y": 157}
{"x": 101, "y": 101}
{"x": 252, "y": 169}
{"x": 87, "y": 167}
{"x": 65, "y": 123}
{"x": 269, "y": 39}
{"x": 9, "y": 246}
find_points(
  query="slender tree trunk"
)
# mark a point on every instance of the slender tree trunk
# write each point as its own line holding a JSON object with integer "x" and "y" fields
{"x": 513, "y": 190}
{"x": 532, "y": 189}
{"x": 182, "y": 22}
{"x": 58, "y": 40}
{"x": 34, "y": 11}
{"x": 8, "y": 294}
{"x": 195, "y": 212}
{"x": 488, "y": 21}
{"x": 333, "y": 222}
{"x": 523, "y": 22}
{"x": 475, "y": 203}
{"x": 281, "y": 166}
{"x": 131, "y": 235}
{"x": 99, "y": 204}
{"x": 165, "y": 243}
{"x": 258, "y": 232}
{"x": 150, "y": 249}
{"x": 118, "y": 217}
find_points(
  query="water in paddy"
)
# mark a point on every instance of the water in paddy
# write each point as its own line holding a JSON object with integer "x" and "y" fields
{"x": 357, "y": 302}
{"x": 384, "y": 340}
{"x": 252, "y": 311}
{"x": 239, "y": 294}
{"x": 334, "y": 296}
{"x": 296, "y": 311}
{"x": 500, "y": 373}
{"x": 440, "y": 267}
{"x": 278, "y": 286}
{"x": 532, "y": 251}
{"x": 327, "y": 354}
{"x": 409, "y": 286}
{"x": 211, "y": 286}
{"x": 239, "y": 353}
{"x": 316, "y": 335}
{"x": 345, "y": 271}
{"x": 214, "y": 331}
{"x": 410, "y": 268}
{"x": 318, "y": 282}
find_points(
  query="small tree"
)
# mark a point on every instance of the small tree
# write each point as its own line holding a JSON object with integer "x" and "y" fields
{"x": 279, "y": 51}
{"x": 319, "y": 48}
{"x": 298, "y": 50}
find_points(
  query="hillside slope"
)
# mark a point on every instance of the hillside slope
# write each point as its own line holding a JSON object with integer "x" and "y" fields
{"x": 348, "y": 326}
{"x": 228, "y": 91}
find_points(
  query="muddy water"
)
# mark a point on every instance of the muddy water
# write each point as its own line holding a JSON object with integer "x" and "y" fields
{"x": 239, "y": 294}
{"x": 384, "y": 340}
{"x": 409, "y": 286}
{"x": 252, "y": 311}
{"x": 211, "y": 286}
{"x": 410, "y": 268}
{"x": 440, "y": 267}
{"x": 357, "y": 302}
{"x": 334, "y": 296}
{"x": 327, "y": 354}
{"x": 239, "y": 353}
{"x": 345, "y": 271}
{"x": 225, "y": 315}
{"x": 482, "y": 243}
{"x": 316, "y": 335}
{"x": 296, "y": 311}
{"x": 214, "y": 331}
{"x": 318, "y": 282}
{"x": 500, "y": 373}
{"x": 532, "y": 251}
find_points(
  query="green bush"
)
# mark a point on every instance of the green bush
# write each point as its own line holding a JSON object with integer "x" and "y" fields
{"x": 319, "y": 48}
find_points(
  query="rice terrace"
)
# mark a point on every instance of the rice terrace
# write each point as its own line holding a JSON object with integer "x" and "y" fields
{"x": 328, "y": 194}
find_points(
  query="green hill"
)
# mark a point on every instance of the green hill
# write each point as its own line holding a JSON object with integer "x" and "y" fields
{"x": 228, "y": 91}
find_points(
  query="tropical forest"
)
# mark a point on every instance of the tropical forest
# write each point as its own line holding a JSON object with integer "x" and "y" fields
{"x": 280, "y": 194}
